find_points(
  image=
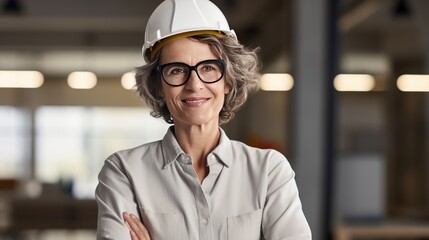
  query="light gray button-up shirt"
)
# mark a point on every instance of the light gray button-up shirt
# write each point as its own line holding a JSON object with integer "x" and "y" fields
{"x": 249, "y": 193}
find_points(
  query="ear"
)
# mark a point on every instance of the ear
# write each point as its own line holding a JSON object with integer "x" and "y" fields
{"x": 226, "y": 89}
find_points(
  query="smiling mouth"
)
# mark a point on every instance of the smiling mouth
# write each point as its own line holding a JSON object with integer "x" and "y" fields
{"x": 195, "y": 101}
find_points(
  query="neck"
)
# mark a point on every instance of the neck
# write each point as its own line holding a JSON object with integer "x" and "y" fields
{"x": 198, "y": 142}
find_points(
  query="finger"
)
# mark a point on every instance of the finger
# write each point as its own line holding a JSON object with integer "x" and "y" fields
{"x": 137, "y": 229}
{"x": 141, "y": 231}
{"x": 135, "y": 232}
{"x": 132, "y": 234}
{"x": 134, "y": 223}
{"x": 135, "y": 237}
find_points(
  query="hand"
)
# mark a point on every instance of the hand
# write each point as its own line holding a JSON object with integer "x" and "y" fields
{"x": 137, "y": 230}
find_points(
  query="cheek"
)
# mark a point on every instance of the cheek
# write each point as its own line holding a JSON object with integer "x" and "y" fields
{"x": 170, "y": 93}
{"x": 226, "y": 88}
{"x": 165, "y": 91}
{"x": 224, "y": 95}
{"x": 161, "y": 89}
{"x": 161, "y": 92}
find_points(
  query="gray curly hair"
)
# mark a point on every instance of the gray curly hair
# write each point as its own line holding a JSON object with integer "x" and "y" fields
{"x": 241, "y": 76}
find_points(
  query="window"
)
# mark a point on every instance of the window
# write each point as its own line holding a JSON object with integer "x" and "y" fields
{"x": 73, "y": 142}
{"x": 15, "y": 142}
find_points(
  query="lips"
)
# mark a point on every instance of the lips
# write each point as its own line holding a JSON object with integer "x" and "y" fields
{"x": 195, "y": 101}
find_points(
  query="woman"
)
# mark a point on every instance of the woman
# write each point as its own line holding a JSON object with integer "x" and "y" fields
{"x": 196, "y": 183}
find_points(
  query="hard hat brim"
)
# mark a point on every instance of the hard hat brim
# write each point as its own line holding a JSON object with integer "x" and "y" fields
{"x": 151, "y": 52}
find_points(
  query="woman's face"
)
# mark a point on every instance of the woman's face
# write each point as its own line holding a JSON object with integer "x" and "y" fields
{"x": 195, "y": 102}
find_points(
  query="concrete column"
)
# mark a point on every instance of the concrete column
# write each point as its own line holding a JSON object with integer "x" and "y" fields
{"x": 420, "y": 8}
{"x": 310, "y": 108}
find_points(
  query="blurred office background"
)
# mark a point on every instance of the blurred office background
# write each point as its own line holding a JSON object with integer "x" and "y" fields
{"x": 344, "y": 97}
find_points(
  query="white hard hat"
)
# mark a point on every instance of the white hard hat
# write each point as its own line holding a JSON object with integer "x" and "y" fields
{"x": 183, "y": 18}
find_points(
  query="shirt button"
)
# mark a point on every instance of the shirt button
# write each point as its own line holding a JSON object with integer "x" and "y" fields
{"x": 205, "y": 221}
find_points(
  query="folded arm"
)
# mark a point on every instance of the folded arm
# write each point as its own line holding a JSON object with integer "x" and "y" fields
{"x": 283, "y": 217}
{"x": 114, "y": 196}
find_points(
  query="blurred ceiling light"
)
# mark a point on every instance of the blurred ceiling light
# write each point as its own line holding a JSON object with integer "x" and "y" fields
{"x": 413, "y": 83}
{"x": 128, "y": 80}
{"x": 21, "y": 79}
{"x": 82, "y": 80}
{"x": 57, "y": 62}
{"x": 276, "y": 82}
{"x": 354, "y": 82}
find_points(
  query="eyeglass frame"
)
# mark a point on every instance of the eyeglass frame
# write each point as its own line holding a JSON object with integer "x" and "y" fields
{"x": 160, "y": 69}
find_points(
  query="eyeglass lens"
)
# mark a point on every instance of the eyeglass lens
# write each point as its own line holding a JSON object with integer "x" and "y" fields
{"x": 177, "y": 74}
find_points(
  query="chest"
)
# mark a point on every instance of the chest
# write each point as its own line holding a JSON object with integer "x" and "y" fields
{"x": 227, "y": 203}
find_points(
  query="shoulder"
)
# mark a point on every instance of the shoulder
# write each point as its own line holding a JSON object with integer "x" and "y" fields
{"x": 140, "y": 150}
{"x": 240, "y": 147}
{"x": 269, "y": 157}
{"x": 133, "y": 155}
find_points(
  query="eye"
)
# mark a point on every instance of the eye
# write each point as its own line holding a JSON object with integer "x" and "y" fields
{"x": 175, "y": 70}
{"x": 209, "y": 67}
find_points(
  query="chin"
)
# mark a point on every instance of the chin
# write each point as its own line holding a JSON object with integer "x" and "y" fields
{"x": 203, "y": 120}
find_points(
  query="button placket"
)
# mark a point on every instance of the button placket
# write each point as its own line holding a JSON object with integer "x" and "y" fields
{"x": 202, "y": 206}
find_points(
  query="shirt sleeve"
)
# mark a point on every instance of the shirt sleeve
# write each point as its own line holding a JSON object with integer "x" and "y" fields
{"x": 283, "y": 217}
{"x": 114, "y": 195}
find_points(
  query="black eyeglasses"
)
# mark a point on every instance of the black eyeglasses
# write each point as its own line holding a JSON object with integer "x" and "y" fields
{"x": 176, "y": 73}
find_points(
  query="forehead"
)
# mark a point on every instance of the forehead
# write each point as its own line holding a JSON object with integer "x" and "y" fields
{"x": 186, "y": 50}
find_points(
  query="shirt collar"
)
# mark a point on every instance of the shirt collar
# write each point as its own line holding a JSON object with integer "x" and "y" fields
{"x": 223, "y": 150}
{"x": 171, "y": 149}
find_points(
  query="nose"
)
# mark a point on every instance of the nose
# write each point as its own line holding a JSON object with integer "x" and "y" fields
{"x": 194, "y": 83}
